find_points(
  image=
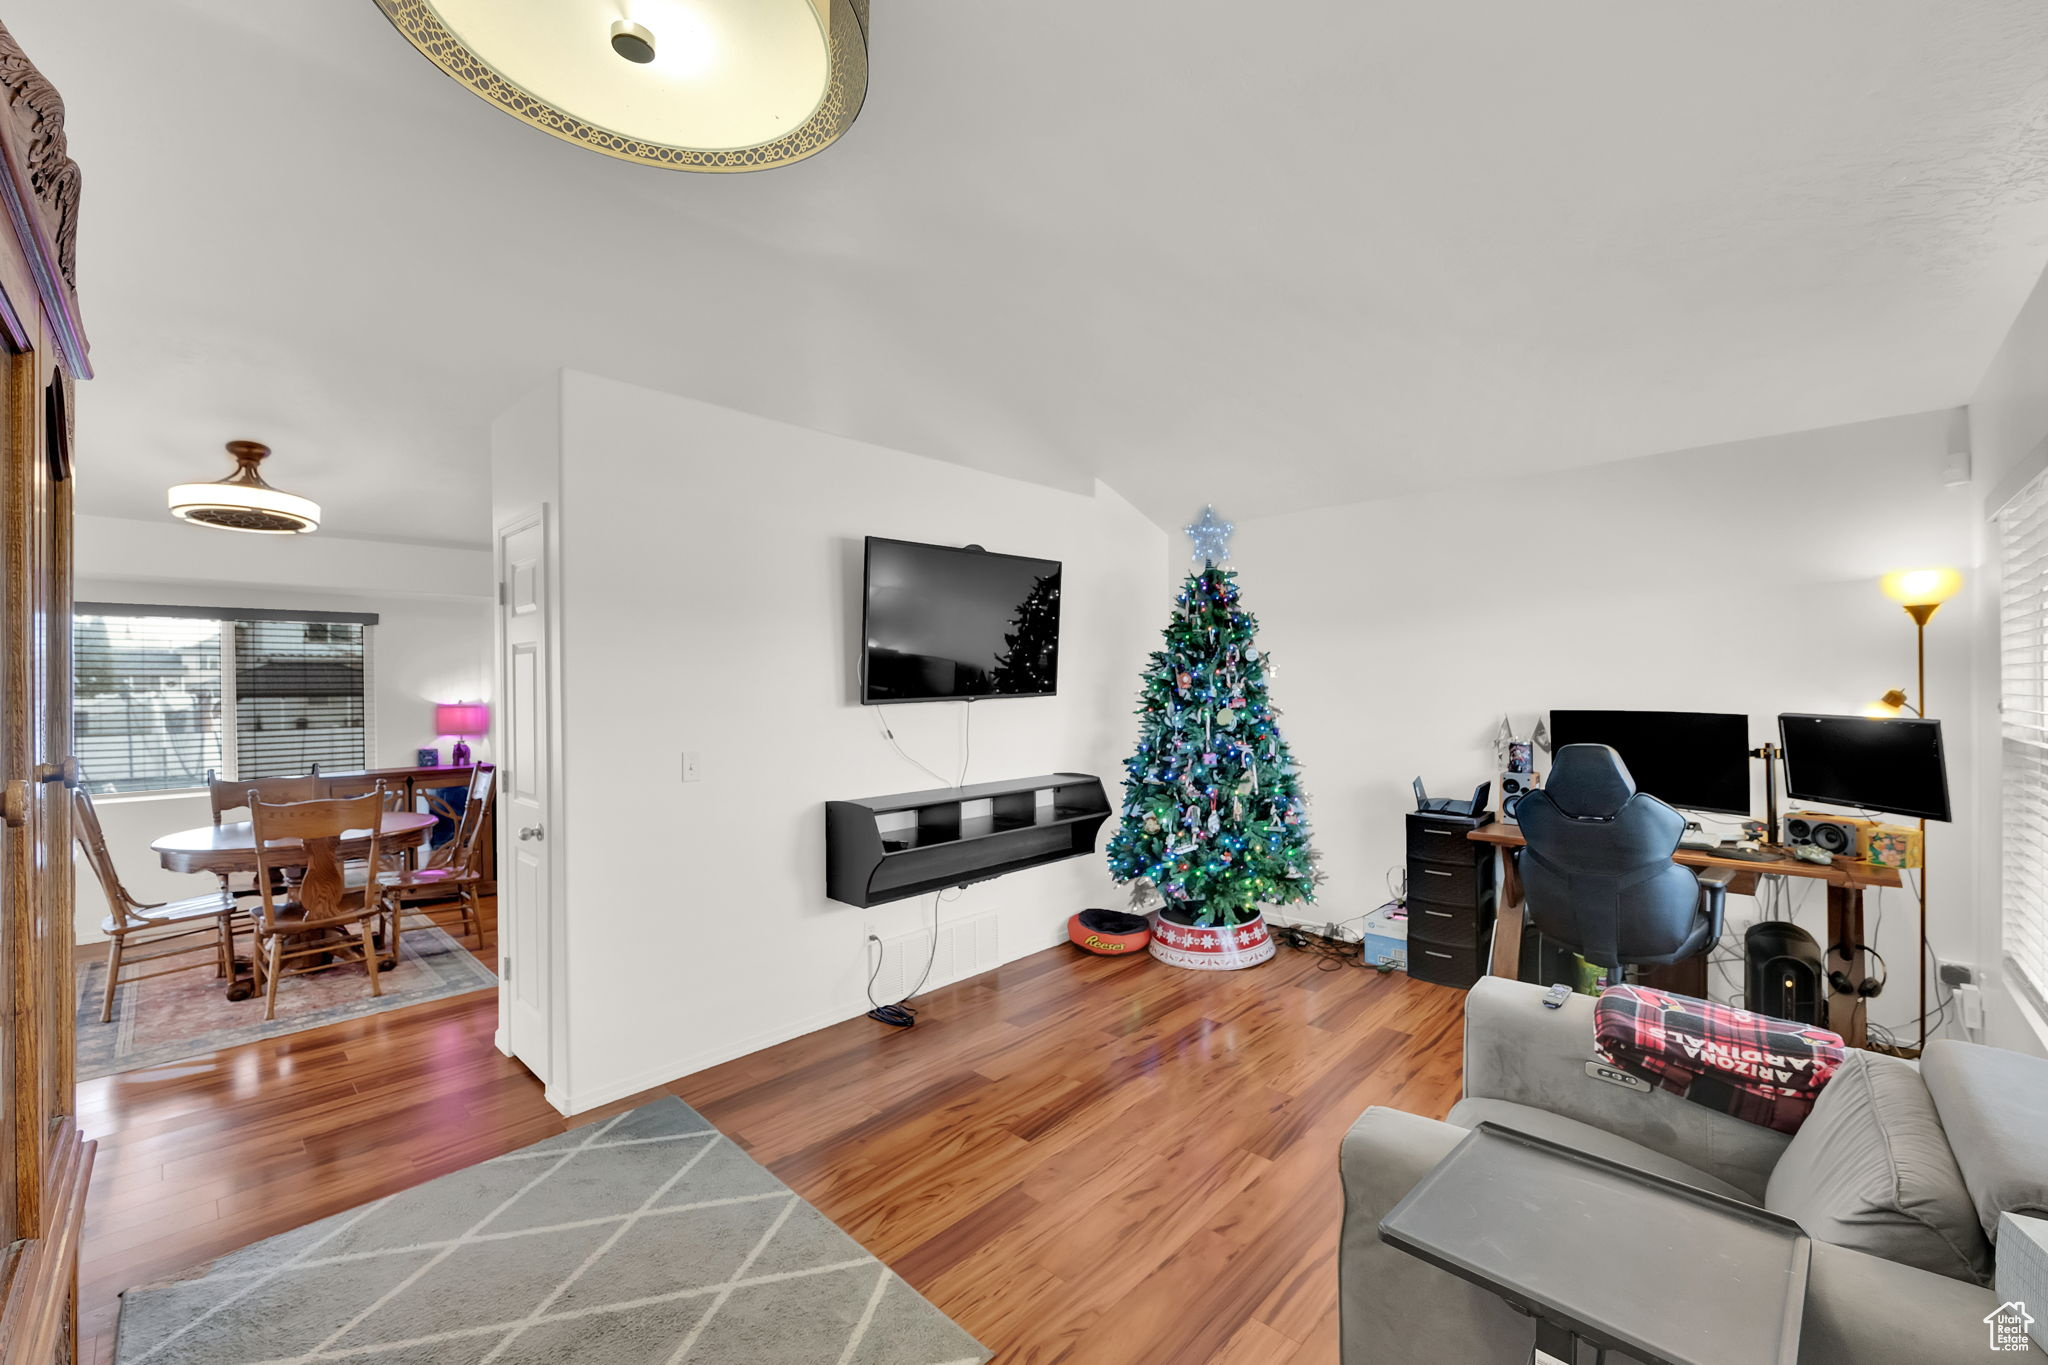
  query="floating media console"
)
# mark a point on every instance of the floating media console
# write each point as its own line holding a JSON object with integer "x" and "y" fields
{"x": 889, "y": 848}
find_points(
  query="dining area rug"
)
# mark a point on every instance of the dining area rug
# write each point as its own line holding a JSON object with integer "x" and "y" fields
{"x": 646, "y": 1239}
{"x": 186, "y": 1014}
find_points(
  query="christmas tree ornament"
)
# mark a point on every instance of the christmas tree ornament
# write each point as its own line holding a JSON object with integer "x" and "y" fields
{"x": 1211, "y": 539}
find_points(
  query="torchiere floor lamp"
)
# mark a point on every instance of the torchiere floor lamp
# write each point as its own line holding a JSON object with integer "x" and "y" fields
{"x": 1921, "y": 592}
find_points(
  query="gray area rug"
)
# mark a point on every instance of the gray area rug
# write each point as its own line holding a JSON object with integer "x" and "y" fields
{"x": 646, "y": 1239}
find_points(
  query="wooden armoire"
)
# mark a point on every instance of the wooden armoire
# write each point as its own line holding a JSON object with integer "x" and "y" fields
{"x": 45, "y": 1162}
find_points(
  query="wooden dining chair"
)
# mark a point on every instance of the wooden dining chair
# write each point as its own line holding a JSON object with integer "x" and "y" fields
{"x": 234, "y": 795}
{"x": 322, "y": 907}
{"x": 138, "y": 933}
{"x": 453, "y": 874}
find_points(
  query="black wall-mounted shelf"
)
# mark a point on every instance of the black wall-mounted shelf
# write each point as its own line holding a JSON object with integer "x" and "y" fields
{"x": 940, "y": 846}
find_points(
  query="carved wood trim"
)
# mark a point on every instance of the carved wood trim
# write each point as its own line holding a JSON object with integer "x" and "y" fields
{"x": 41, "y": 189}
{"x": 36, "y": 1324}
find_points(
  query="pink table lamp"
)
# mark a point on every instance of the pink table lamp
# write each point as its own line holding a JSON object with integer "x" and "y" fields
{"x": 464, "y": 720}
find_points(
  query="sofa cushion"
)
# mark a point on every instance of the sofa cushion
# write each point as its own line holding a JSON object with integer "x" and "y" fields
{"x": 1584, "y": 1137}
{"x": 1871, "y": 1170}
{"x": 1994, "y": 1108}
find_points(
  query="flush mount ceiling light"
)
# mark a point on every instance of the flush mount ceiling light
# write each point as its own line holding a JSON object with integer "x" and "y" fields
{"x": 693, "y": 85}
{"x": 243, "y": 502}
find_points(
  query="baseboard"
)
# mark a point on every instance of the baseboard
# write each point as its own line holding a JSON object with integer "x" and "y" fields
{"x": 662, "y": 1074}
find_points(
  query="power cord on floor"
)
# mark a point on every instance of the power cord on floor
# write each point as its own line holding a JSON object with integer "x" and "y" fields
{"x": 903, "y": 1014}
{"x": 1333, "y": 945}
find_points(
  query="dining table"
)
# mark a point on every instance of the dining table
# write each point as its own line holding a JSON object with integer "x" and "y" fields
{"x": 230, "y": 847}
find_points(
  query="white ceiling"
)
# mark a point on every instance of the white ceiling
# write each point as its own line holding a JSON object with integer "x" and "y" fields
{"x": 1270, "y": 256}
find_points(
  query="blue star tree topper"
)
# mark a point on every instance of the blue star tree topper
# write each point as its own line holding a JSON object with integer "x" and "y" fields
{"x": 1211, "y": 538}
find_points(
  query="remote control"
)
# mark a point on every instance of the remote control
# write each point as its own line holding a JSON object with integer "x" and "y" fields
{"x": 1554, "y": 998}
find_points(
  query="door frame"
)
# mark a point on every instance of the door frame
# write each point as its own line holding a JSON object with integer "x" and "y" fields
{"x": 553, "y": 929}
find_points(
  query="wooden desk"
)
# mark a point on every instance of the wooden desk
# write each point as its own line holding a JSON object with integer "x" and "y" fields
{"x": 1845, "y": 882}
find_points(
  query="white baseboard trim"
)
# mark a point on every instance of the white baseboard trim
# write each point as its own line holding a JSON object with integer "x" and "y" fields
{"x": 580, "y": 1100}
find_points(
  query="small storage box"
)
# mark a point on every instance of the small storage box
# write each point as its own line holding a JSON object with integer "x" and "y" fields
{"x": 1386, "y": 937}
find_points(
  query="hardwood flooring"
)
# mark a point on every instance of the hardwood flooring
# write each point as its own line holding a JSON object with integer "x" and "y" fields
{"x": 1091, "y": 1161}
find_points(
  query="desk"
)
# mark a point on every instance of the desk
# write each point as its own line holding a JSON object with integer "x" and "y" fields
{"x": 1845, "y": 882}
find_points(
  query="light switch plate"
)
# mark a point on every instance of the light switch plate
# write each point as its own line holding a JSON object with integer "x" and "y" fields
{"x": 692, "y": 770}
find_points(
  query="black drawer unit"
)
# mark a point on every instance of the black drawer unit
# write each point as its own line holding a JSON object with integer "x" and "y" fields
{"x": 1453, "y": 889}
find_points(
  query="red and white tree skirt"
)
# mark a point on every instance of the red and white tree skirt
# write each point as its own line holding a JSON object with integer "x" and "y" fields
{"x": 1214, "y": 948}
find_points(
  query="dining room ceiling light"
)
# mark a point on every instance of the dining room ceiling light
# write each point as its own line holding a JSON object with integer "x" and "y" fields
{"x": 705, "y": 85}
{"x": 243, "y": 502}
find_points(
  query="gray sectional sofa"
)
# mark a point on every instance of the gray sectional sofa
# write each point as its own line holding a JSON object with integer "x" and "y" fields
{"x": 1898, "y": 1176}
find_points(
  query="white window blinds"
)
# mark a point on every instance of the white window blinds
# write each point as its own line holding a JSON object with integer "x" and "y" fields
{"x": 166, "y": 695}
{"x": 2021, "y": 527}
{"x": 146, "y": 701}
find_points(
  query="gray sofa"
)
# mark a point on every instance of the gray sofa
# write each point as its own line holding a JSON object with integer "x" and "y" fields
{"x": 1898, "y": 1176}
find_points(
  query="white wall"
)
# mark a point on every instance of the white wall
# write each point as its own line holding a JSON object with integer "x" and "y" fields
{"x": 1733, "y": 578}
{"x": 2008, "y": 422}
{"x": 711, "y": 571}
{"x": 431, "y": 643}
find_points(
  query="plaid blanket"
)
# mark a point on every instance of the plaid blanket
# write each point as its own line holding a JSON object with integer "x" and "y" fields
{"x": 1766, "y": 1071}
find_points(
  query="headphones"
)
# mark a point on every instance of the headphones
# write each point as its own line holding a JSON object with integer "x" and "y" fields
{"x": 1870, "y": 986}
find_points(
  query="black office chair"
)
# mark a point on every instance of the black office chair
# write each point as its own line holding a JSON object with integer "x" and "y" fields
{"x": 1597, "y": 873}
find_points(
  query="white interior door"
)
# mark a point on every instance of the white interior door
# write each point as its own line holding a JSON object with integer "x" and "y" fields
{"x": 525, "y": 885}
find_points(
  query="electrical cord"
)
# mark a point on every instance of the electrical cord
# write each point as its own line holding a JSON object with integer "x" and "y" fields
{"x": 1335, "y": 953}
{"x": 966, "y": 738}
{"x": 890, "y": 735}
{"x": 903, "y": 1014}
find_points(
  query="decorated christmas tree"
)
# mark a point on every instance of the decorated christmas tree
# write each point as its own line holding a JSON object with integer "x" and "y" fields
{"x": 1214, "y": 820}
{"x": 1027, "y": 666}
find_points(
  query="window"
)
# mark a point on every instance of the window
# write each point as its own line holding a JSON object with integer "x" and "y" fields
{"x": 165, "y": 695}
{"x": 2021, "y": 527}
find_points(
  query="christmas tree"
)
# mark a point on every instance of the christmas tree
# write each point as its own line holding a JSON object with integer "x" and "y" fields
{"x": 1214, "y": 820}
{"x": 1029, "y": 666}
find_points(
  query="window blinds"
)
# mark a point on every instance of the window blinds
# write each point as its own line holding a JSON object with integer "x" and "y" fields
{"x": 147, "y": 701}
{"x": 166, "y": 695}
{"x": 2021, "y": 527}
{"x": 298, "y": 697}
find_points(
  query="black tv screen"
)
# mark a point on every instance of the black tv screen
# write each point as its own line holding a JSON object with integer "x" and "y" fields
{"x": 1696, "y": 760}
{"x": 942, "y": 624}
{"x": 1893, "y": 766}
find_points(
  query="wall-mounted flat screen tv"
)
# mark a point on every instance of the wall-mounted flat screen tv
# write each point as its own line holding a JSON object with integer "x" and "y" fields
{"x": 946, "y": 624}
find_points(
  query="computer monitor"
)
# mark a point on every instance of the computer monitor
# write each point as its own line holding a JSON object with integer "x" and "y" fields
{"x": 1698, "y": 760}
{"x": 1894, "y": 766}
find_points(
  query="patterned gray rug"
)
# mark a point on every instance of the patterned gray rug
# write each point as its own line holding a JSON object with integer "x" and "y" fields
{"x": 646, "y": 1239}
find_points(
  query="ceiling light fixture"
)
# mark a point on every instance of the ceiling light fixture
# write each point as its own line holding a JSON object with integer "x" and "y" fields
{"x": 732, "y": 85}
{"x": 243, "y": 502}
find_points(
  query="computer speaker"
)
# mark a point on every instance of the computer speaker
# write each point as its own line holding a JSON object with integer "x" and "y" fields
{"x": 1841, "y": 835}
{"x": 1513, "y": 787}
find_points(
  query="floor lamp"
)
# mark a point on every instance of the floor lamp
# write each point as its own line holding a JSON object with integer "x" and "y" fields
{"x": 1921, "y": 592}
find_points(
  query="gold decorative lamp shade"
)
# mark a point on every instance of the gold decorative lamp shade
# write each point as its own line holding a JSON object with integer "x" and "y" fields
{"x": 695, "y": 85}
{"x": 243, "y": 501}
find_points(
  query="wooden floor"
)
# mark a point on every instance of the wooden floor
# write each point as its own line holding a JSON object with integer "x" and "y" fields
{"x": 1094, "y": 1161}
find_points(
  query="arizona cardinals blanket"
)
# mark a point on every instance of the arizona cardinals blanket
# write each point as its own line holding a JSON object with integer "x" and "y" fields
{"x": 1767, "y": 1071}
